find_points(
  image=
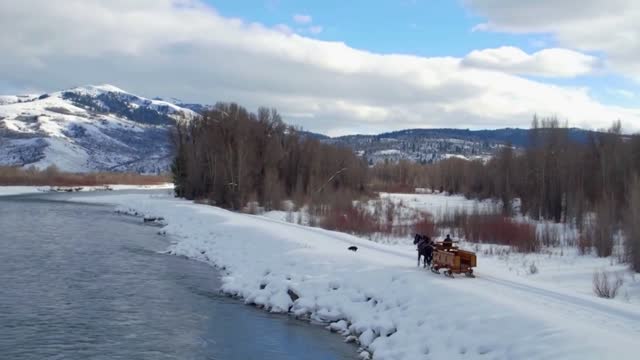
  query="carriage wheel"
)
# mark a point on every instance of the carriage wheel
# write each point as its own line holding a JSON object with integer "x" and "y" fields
{"x": 470, "y": 273}
{"x": 435, "y": 270}
{"x": 449, "y": 273}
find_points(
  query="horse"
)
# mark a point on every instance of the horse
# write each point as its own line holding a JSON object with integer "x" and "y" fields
{"x": 424, "y": 249}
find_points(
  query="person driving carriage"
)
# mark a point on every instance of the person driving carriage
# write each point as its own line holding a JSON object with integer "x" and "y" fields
{"x": 447, "y": 243}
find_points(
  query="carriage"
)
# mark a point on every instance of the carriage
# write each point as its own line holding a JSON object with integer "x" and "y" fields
{"x": 454, "y": 260}
{"x": 445, "y": 255}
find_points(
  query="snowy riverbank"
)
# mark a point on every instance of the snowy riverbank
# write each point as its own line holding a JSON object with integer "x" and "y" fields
{"x": 377, "y": 295}
{"x": 18, "y": 190}
{"x": 24, "y": 190}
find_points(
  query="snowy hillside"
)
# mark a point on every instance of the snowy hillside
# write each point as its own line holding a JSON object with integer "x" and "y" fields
{"x": 424, "y": 146}
{"x": 87, "y": 129}
{"x": 433, "y": 145}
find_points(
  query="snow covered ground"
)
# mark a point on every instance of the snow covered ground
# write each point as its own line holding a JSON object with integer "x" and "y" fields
{"x": 23, "y": 190}
{"x": 560, "y": 265}
{"x": 563, "y": 268}
{"x": 378, "y": 296}
{"x": 441, "y": 205}
{"x": 18, "y": 190}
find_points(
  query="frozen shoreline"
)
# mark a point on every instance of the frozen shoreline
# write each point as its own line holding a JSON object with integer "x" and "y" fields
{"x": 380, "y": 298}
{"x": 24, "y": 190}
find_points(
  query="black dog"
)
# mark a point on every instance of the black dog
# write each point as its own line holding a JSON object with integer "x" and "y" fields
{"x": 353, "y": 248}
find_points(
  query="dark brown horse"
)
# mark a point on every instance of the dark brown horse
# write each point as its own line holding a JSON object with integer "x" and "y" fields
{"x": 425, "y": 249}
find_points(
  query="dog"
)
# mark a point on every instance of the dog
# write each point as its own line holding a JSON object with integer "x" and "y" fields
{"x": 353, "y": 248}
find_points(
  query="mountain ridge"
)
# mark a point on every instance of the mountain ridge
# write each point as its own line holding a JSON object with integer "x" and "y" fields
{"x": 105, "y": 128}
{"x": 88, "y": 128}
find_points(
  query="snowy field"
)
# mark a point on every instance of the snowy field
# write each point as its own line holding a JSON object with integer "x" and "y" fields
{"x": 378, "y": 297}
{"x": 23, "y": 190}
{"x": 561, "y": 266}
{"x": 18, "y": 190}
{"x": 441, "y": 205}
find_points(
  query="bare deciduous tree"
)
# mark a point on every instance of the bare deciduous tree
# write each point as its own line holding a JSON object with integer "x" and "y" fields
{"x": 230, "y": 156}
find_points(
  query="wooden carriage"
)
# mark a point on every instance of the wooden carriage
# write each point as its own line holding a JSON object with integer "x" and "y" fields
{"x": 454, "y": 260}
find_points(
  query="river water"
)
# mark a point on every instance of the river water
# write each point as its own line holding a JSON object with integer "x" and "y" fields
{"x": 80, "y": 282}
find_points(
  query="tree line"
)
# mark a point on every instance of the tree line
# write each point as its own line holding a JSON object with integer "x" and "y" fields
{"x": 555, "y": 178}
{"x": 232, "y": 157}
{"x": 593, "y": 185}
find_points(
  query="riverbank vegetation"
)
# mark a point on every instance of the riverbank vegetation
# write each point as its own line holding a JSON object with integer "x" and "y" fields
{"x": 51, "y": 176}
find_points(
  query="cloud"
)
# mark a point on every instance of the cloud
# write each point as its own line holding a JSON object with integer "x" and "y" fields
{"x": 608, "y": 26}
{"x": 622, "y": 93}
{"x": 315, "y": 29}
{"x": 302, "y": 19}
{"x": 545, "y": 63}
{"x": 283, "y": 28}
{"x": 184, "y": 49}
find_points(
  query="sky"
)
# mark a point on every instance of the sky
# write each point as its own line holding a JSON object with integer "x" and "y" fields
{"x": 343, "y": 67}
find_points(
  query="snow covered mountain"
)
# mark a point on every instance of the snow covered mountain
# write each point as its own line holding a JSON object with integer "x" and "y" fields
{"x": 420, "y": 145}
{"x": 380, "y": 149}
{"x": 104, "y": 128}
{"x": 89, "y": 128}
{"x": 433, "y": 145}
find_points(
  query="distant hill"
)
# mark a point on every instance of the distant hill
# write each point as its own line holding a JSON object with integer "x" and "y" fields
{"x": 88, "y": 128}
{"x": 432, "y": 145}
{"x": 98, "y": 128}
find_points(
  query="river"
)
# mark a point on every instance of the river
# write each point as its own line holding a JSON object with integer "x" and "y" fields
{"x": 78, "y": 281}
